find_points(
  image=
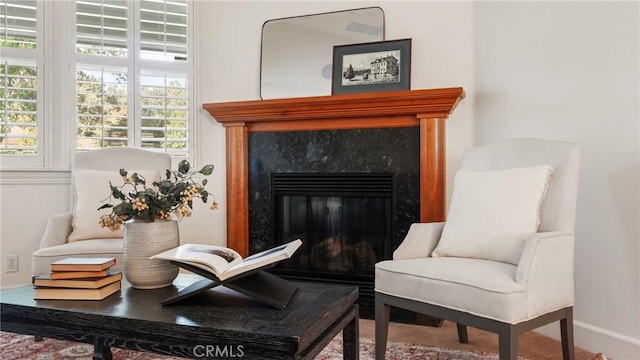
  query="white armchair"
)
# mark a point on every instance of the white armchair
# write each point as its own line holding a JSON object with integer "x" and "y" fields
{"x": 77, "y": 233}
{"x": 503, "y": 261}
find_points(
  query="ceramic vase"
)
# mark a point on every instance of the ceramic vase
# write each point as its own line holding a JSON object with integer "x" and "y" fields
{"x": 143, "y": 239}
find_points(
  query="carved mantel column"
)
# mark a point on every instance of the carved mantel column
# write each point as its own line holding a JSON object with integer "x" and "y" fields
{"x": 238, "y": 188}
{"x": 433, "y": 170}
{"x": 427, "y": 109}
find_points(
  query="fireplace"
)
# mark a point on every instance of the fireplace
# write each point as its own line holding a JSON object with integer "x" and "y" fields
{"x": 349, "y": 202}
{"x": 343, "y": 220}
{"x": 250, "y": 213}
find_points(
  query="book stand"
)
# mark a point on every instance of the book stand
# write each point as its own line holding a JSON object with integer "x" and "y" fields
{"x": 258, "y": 284}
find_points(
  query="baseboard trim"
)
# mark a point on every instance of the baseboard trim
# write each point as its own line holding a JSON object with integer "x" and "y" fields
{"x": 614, "y": 345}
{"x": 599, "y": 340}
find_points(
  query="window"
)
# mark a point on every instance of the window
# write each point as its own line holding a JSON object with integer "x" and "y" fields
{"x": 20, "y": 79}
{"x": 164, "y": 112}
{"x": 111, "y": 73}
{"x": 101, "y": 108}
{"x": 132, "y": 91}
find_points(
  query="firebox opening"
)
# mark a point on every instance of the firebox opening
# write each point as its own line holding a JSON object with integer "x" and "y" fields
{"x": 344, "y": 221}
{"x": 340, "y": 234}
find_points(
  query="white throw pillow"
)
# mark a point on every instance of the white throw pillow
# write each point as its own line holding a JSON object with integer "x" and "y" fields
{"x": 493, "y": 212}
{"x": 92, "y": 190}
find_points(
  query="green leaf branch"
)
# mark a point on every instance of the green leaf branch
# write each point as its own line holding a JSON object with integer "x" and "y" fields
{"x": 171, "y": 195}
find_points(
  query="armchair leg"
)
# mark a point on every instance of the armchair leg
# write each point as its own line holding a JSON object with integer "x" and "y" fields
{"x": 507, "y": 342}
{"x": 566, "y": 333}
{"x": 463, "y": 338}
{"x": 382, "y": 326}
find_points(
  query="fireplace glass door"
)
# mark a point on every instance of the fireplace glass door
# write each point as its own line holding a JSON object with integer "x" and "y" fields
{"x": 343, "y": 220}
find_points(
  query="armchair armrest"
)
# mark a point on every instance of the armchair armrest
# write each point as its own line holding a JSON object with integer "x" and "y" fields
{"x": 420, "y": 241}
{"x": 546, "y": 270}
{"x": 57, "y": 230}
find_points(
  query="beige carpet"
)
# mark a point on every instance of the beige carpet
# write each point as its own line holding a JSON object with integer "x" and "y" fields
{"x": 531, "y": 345}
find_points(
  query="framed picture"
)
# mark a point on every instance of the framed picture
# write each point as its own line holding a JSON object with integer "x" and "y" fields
{"x": 369, "y": 67}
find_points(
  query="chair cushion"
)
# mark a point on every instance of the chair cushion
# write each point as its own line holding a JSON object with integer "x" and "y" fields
{"x": 42, "y": 258}
{"x": 91, "y": 188}
{"x": 481, "y": 287}
{"x": 493, "y": 212}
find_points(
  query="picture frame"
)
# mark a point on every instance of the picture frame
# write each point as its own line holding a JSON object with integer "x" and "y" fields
{"x": 371, "y": 67}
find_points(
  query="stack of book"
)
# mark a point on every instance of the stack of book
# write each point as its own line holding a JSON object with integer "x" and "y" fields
{"x": 78, "y": 279}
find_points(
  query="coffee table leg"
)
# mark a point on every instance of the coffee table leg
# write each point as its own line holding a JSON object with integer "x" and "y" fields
{"x": 350, "y": 338}
{"x": 101, "y": 351}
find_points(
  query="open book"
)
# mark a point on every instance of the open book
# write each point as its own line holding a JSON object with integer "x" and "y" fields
{"x": 226, "y": 263}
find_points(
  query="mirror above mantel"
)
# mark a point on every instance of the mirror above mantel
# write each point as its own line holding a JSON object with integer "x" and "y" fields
{"x": 297, "y": 51}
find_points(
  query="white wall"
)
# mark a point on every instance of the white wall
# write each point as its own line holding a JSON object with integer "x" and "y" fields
{"x": 227, "y": 60}
{"x": 26, "y": 201}
{"x": 570, "y": 71}
{"x": 442, "y": 52}
{"x": 554, "y": 70}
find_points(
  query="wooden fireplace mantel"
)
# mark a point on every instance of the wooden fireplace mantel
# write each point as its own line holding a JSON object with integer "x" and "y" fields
{"x": 427, "y": 109}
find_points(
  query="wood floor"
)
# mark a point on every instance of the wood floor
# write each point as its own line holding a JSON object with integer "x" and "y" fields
{"x": 531, "y": 345}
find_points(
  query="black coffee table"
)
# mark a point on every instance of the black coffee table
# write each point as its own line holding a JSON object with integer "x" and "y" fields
{"x": 220, "y": 323}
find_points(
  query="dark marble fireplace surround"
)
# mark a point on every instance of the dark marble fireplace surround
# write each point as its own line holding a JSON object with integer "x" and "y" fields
{"x": 384, "y": 150}
{"x": 390, "y": 150}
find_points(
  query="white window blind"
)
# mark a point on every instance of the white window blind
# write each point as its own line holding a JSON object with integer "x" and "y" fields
{"x": 19, "y": 118}
{"x": 102, "y": 27}
{"x": 19, "y": 78}
{"x": 19, "y": 23}
{"x": 132, "y": 90}
{"x": 164, "y": 112}
{"x": 163, "y": 30}
{"x": 101, "y": 101}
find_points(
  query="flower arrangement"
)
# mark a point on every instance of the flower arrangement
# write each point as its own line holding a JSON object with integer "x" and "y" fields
{"x": 173, "y": 194}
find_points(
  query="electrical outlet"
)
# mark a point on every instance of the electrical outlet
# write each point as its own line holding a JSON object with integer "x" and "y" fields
{"x": 12, "y": 263}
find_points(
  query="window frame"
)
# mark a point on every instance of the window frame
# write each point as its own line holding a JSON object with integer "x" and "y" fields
{"x": 136, "y": 66}
{"x": 57, "y": 114}
{"x": 21, "y": 55}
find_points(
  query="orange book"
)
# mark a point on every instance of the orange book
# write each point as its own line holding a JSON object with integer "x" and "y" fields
{"x": 83, "y": 264}
{"x": 57, "y": 275}
{"x": 88, "y": 283}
